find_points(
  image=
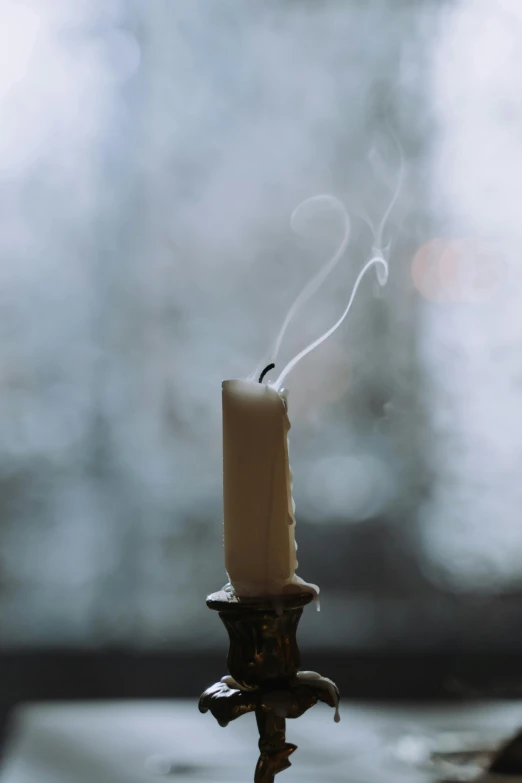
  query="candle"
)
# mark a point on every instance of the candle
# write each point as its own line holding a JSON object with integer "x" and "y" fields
{"x": 260, "y": 549}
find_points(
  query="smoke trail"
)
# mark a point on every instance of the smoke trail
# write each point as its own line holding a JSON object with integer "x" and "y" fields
{"x": 378, "y": 250}
{"x": 380, "y": 262}
{"x": 313, "y": 285}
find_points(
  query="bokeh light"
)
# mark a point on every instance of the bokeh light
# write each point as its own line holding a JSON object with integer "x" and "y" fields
{"x": 321, "y": 379}
{"x": 467, "y": 270}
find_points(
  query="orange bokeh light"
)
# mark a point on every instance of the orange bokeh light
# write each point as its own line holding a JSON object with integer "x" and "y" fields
{"x": 458, "y": 270}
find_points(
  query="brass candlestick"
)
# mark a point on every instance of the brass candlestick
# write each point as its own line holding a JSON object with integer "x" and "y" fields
{"x": 263, "y": 661}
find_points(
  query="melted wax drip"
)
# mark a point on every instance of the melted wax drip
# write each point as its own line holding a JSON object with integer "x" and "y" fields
{"x": 304, "y": 677}
{"x": 322, "y": 682}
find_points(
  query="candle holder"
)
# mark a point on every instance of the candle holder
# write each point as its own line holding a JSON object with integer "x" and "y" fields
{"x": 263, "y": 661}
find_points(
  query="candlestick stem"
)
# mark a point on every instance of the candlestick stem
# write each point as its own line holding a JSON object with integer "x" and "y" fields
{"x": 274, "y": 750}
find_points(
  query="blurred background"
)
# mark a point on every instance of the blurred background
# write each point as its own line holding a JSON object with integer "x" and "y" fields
{"x": 151, "y": 155}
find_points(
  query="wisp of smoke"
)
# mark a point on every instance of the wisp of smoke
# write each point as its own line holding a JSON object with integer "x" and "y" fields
{"x": 312, "y": 205}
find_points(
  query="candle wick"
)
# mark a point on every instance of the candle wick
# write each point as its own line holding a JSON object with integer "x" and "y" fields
{"x": 267, "y": 369}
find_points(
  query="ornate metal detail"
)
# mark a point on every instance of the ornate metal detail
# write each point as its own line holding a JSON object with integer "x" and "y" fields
{"x": 263, "y": 661}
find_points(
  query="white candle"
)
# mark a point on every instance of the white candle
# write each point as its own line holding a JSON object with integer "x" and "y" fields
{"x": 260, "y": 549}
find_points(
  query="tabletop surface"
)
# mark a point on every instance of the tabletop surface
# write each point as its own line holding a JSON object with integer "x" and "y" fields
{"x": 142, "y": 741}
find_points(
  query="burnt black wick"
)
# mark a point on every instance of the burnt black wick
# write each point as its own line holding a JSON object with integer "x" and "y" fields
{"x": 267, "y": 369}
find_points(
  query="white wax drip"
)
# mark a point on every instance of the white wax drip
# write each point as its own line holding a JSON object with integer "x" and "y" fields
{"x": 322, "y": 682}
{"x": 304, "y": 677}
{"x": 230, "y": 682}
{"x": 271, "y": 590}
{"x": 304, "y": 587}
{"x": 297, "y": 581}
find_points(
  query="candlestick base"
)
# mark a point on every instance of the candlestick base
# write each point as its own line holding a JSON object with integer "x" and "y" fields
{"x": 263, "y": 661}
